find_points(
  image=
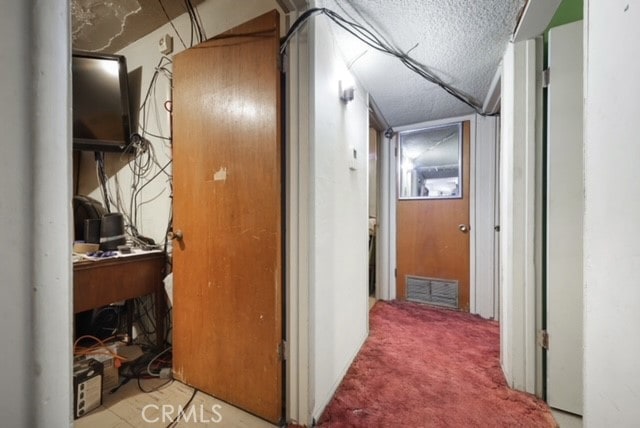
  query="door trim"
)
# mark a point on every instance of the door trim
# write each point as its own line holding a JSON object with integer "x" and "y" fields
{"x": 520, "y": 216}
{"x": 298, "y": 239}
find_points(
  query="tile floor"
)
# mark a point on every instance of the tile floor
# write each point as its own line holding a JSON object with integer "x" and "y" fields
{"x": 130, "y": 407}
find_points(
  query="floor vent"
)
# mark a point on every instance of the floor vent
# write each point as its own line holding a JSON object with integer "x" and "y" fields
{"x": 441, "y": 292}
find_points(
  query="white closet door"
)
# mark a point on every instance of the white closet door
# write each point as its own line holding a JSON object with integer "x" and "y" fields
{"x": 565, "y": 207}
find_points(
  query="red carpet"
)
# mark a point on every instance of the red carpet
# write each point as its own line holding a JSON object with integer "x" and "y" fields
{"x": 426, "y": 367}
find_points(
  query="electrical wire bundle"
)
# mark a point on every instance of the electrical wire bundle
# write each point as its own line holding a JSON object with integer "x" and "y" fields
{"x": 143, "y": 308}
{"x": 99, "y": 348}
{"x": 144, "y": 153}
{"x": 375, "y": 42}
{"x": 153, "y": 364}
{"x": 143, "y": 163}
{"x": 197, "y": 28}
{"x": 102, "y": 179}
{"x": 161, "y": 70}
{"x": 147, "y": 367}
{"x": 196, "y": 23}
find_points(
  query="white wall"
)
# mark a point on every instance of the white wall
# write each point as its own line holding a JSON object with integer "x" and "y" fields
{"x": 217, "y": 16}
{"x": 339, "y": 263}
{"x": 35, "y": 260}
{"x": 518, "y": 166}
{"x": 15, "y": 217}
{"x": 612, "y": 207}
{"x": 51, "y": 256}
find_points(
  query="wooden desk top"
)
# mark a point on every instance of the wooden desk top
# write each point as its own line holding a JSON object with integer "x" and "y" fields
{"x": 101, "y": 282}
{"x": 134, "y": 257}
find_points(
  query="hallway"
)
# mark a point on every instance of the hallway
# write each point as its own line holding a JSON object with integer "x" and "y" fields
{"x": 428, "y": 367}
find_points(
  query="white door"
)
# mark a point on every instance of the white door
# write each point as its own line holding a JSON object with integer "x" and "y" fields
{"x": 565, "y": 207}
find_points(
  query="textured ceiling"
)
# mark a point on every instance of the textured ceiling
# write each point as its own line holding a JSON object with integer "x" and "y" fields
{"x": 460, "y": 41}
{"x": 108, "y": 26}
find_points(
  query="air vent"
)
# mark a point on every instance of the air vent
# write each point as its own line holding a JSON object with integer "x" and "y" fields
{"x": 440, "y": 292}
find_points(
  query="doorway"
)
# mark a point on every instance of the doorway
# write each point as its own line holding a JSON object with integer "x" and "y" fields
{"x": 373, "y": 210}
{"x": 483, "y": 222}
{"x": 433, "y": 215}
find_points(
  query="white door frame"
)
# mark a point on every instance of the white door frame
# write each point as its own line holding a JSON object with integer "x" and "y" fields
{"x": 521, "y": 215}
{"x": 298, "y": 406}
{"x": 387, "y": 223}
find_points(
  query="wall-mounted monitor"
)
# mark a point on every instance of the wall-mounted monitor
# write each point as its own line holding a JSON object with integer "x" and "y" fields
{"x": 101, "y": 112}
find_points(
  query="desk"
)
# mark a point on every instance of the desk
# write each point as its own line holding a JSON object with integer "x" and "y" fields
{"x": 99, "y": 283}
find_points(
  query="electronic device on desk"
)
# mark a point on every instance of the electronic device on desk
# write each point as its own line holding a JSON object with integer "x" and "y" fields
{"x": 102, "y": 118}
{"x": 86, "y": 208}
{"x": 87, "y": 386}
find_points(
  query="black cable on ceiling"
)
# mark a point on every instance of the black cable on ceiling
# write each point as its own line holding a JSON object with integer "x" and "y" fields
{"x": 197, "y": 27}
{"x": 171, "y": 22}
{"x": 373, "y": 41}
{"x": 198, "y": 19}
{"x": 191, "y": 25}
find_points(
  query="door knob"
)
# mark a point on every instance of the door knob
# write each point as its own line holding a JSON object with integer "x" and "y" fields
{"x": 177, "y": 235}
{"x": 463, "y": 228}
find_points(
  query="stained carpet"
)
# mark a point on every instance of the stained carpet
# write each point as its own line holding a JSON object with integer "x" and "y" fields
{"x": 428, "y": 367}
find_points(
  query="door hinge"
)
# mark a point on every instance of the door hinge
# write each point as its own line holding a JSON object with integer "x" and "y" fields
{"x": 283, "y": 351}
{"x": 546, "y": 76}
{"x": 543, "y": 339}
{"x": 496, "y": 228}
{"x": 395, "y": 272}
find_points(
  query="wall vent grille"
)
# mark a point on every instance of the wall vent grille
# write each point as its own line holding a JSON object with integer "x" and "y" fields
{"x": 435, "y": 291}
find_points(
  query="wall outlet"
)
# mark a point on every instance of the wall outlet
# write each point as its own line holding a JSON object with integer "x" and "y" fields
{"x": 165, "y": 44}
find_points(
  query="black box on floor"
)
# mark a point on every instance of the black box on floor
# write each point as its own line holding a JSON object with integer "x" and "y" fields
{"x": 87, "y": 386}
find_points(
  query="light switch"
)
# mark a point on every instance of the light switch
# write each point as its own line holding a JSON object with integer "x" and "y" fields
{"x": 353, "y": 158}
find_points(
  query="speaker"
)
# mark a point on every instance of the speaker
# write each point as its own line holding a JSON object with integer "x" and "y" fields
{"x": 112, "y": 231}
{"x": 92, "y": 230}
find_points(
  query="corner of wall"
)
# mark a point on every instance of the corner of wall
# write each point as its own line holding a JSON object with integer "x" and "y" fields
{"x": 339, "y": 218}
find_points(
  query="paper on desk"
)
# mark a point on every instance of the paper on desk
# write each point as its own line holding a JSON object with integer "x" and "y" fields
{"x": 117, "y": 254}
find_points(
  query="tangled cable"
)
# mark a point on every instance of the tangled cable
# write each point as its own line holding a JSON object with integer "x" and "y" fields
{"x": 370, "y": 39}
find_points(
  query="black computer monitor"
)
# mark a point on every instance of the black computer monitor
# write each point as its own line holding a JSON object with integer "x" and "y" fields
{"x": 101, "y": 112}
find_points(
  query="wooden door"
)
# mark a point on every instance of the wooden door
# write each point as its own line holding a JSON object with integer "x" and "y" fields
{"x": 565, "y": 209}
{"x": 228, "y": 207}
{"x": 430, "y": 243}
